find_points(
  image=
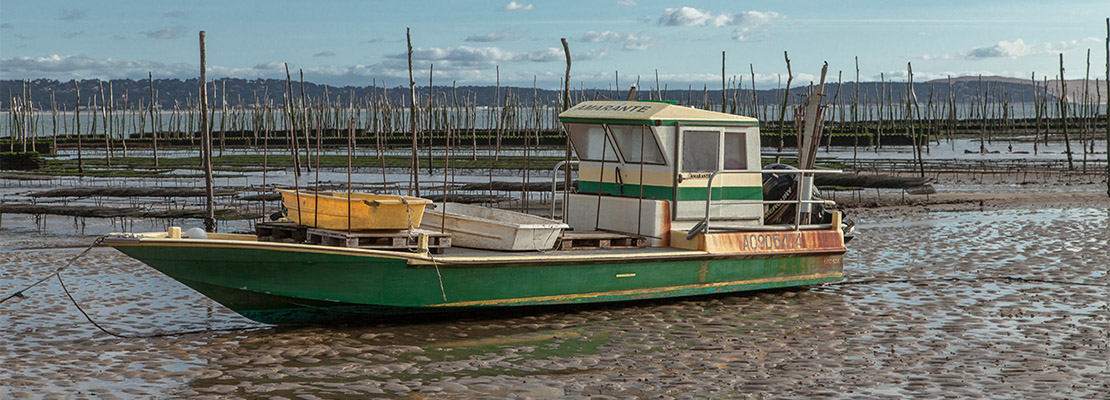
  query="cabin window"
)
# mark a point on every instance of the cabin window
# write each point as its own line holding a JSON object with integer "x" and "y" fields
{"x": 736, "y": 151}
{"x": 628, "y": 138}
{"x": 589, "y": 141}
{"x": 700, "y": 151}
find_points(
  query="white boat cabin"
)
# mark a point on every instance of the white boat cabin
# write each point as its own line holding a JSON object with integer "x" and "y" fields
{"x": 644, "y": 167}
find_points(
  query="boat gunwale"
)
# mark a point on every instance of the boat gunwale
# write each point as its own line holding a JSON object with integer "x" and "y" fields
{"x": 440, "y": 213}
{"x": 418, "y": 260}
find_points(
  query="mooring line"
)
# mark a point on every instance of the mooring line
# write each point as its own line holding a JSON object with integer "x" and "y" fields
{"x": 142, "y": 336}
{"x": 58, "y": 274}
{"x": 57, "y": 271}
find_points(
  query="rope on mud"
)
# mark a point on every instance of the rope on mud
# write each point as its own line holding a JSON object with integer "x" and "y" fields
{"x": 151, "y": 335}
{"x": 58, "y": 274}
{"x": 57, "y": 271}
{"x": 950, "y": 279}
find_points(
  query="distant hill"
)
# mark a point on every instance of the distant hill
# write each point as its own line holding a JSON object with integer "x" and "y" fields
{"x": 172, "y": 93}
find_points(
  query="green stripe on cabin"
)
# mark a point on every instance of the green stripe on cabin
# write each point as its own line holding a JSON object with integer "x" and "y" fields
{"x": 666, "y": 192}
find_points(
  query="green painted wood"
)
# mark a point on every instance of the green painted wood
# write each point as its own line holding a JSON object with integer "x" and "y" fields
{"x": 666, "y": 192}
{"x": 291, "y": 286}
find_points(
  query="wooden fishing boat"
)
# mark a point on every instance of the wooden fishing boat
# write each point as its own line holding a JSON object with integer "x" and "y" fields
{"x": 330, "y": 210}
{"x": 493, "y": 229}
{"x": 652, "y": 173}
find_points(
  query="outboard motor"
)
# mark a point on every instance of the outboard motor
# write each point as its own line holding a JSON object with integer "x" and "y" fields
{"x": 784, "y": 187}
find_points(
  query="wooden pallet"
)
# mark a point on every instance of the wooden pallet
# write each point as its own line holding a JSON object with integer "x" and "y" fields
{"x": 587, "y": 240}
{"x": 287, "y": 232}
{"x": 381, "y": 240}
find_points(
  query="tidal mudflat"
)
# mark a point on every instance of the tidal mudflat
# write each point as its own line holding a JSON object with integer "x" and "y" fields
{"x": 1010, "y": 299}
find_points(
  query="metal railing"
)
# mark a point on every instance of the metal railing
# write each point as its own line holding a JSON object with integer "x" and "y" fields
{"x": 554, "y": 175}
{"x": 704, "y": 224}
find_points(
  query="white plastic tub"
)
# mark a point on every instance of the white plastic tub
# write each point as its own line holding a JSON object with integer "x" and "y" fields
{"x": 494, "y": 229}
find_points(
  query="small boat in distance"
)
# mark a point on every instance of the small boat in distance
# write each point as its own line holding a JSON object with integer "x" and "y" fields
{"x": 669, "y": 203}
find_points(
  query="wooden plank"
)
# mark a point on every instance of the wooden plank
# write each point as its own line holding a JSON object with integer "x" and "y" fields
{"x": 280, "y": 232}
{"x": 382, "y": 240}
{"x": 593, "y": 240}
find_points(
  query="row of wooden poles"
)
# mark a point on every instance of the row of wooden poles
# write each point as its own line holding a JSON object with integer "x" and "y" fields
{"x": 991, "y": 111}
{"x": 382, "y": 118}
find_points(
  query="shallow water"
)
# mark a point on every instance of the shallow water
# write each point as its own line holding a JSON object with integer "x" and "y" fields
{"x": 999, "y": 303}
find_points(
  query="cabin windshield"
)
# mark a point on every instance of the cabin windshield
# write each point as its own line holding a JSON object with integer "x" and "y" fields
{"x": 589, "y": 142}
{"x": 632, "y": 139}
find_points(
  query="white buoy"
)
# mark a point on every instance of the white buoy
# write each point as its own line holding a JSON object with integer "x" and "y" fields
{"x": 195, "y": 233}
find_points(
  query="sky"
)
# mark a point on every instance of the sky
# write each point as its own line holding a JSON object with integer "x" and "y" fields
{"x": 360, "y": 42}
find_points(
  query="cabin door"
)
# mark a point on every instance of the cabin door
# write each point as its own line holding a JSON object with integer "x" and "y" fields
{"x": 699, "y": 155}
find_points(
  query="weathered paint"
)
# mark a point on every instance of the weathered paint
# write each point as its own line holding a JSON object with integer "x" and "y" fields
{"x": 647, "y": 113}
{"x": 329, "y": 210}
{"x": 766, "y": 242}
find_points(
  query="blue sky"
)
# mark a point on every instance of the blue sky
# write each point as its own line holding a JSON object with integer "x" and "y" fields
{"x": 347, "y": 42}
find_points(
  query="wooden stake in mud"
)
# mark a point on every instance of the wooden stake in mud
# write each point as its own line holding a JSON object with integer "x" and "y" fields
{"x": 414, "y": 163}
{"x": 723, "y": 100}
{"x": 316, "y": 205}
{"x": 54, "y": 116}
{"x": 304, "y": 123}
{"x": 1108, "y": 108}
{"x": 350, "y": 151}
{"x": 210, "y": 204}
{"x": 153, "y": 124}
{"x": 914, "y": 112}
{"x": 566, "y": 160}
{"x": 785, "y": 99}
{"x": 107, "y": 126}
{"x": 80, "y": 162}
{"x": 1064, "y": 113}
{"x": 855, "y": 120}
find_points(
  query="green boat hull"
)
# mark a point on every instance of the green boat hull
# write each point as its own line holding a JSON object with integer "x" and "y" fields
{"x": 289, "y": 285}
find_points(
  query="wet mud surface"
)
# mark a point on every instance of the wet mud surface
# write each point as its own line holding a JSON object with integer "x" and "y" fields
{"x": 995, "y": 302}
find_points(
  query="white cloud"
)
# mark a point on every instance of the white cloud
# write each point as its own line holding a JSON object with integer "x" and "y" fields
{"x": 466, "y": 57}
{"x": 944, "y": 56}
{"x": 172, "y": 32}
{"x": 548, "y": 55}
{"x": 628, "y": 3}
{"x": 503, "y": 36}
{"x": 1066, "y": 45}
{"x": 1001, "y": 49}
{"x": 325, "y": 53}
{"x": 592, "y": 54}
{"x": 631, "y": 41}
{"x": 689, "y": 16}
{"x": 514, "y": 6}
{"x": 749, "y": 24}
{"x": 66, "y": 67}
{"x": 752, "y": 23}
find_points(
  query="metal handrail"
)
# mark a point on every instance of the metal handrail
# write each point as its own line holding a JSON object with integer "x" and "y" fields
{"x": 554, "y": 175}
{"x": 704, "y": 224}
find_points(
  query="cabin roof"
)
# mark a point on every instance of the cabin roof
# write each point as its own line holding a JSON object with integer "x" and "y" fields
{"x": 647, "y": 113}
